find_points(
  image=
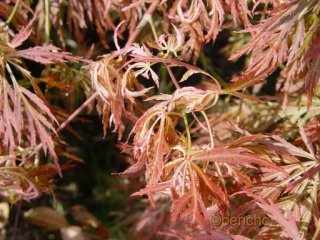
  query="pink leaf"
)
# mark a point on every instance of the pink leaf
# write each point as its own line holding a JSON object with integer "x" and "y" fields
{"x": 234, "y": 156}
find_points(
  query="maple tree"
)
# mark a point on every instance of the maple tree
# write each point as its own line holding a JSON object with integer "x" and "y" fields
{"x": 203, "y": 143}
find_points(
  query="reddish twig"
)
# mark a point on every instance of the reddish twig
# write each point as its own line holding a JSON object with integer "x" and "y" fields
{"x": 143, "y": 22}
{"x": 173, "y": 78}
{"x": 69, "y": 119}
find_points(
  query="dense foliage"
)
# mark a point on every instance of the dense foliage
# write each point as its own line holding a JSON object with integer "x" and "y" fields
{"x": 215, "y": 105}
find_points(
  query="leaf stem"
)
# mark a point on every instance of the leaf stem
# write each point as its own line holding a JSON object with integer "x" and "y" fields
{"x": 212, "y": 145}
{"x": 188, "y": 134}
{"x": 47, "y": 18}
{"x": 155, "y": 35}
{"x": 13, "y": 12}
{"x": 209, "y": 128}
{"x": 143, "y": 22}
{"x": 13, "y": 79}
